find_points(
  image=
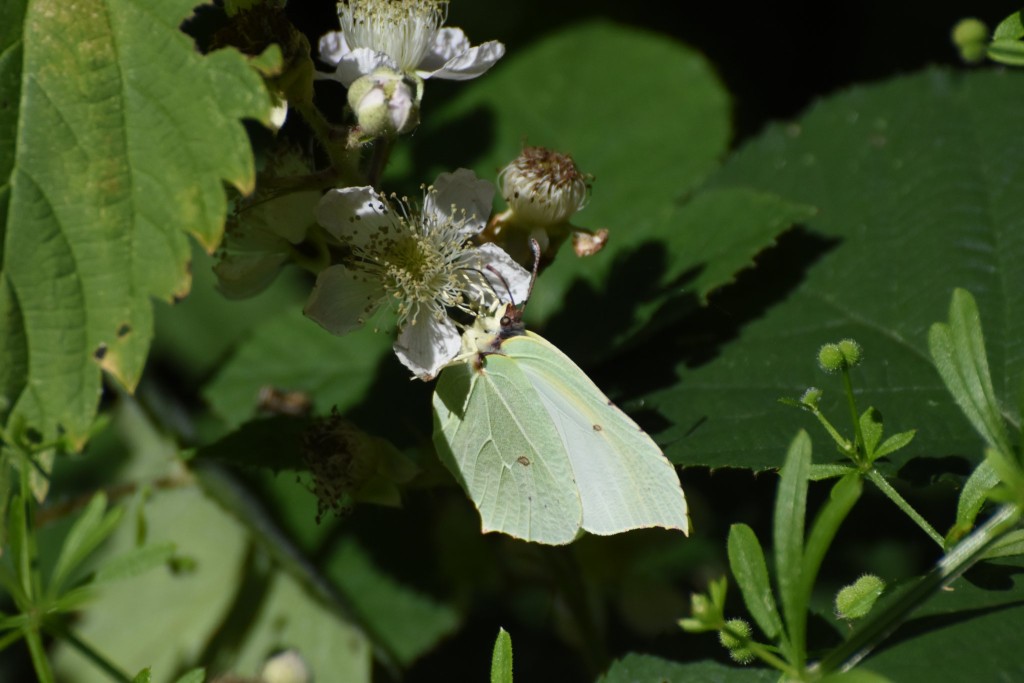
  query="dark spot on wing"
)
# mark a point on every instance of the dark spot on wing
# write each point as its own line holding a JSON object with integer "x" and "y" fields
{"x": 124, "y": 329}
{"x": 523, "y": 460}
{"x": 100, "y": 351}
{"x": 598, "y": 428}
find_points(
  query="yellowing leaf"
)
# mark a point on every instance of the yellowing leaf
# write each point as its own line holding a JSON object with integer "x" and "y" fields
{"x": 115, "y": 139}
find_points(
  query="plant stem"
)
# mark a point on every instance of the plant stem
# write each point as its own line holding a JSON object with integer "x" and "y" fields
{"x": 858, "y": 441}
{"x": 840, "y": 440}
{"x": 38, "y": 654}
{"x": 93, "y": 655}
{"x": 878, "y": 480}
{"x": 379, "y": 160}
{"x": 878, "y": 626}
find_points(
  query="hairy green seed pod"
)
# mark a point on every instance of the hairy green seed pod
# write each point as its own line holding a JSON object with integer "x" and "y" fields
{"x": 852, "y": 353}
{"x": 830, "y": 358}
{"x": 857, "y": 599}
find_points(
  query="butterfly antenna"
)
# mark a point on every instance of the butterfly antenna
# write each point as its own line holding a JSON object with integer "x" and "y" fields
{"x": 504, "y": 282}
{"x": 535, "y": 248}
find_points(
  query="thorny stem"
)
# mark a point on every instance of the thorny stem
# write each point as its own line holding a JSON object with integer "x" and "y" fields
{"x": 878, "y": 626}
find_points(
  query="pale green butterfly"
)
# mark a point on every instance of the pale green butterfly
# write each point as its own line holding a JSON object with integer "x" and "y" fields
{"x": 540, "y": 449}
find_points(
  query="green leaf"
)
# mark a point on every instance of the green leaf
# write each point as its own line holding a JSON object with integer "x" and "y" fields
{"x": 746, "y": 560}
{"x": 701, "y": 247}
{"x": 844, "y": 495}
{"x": 1010, "y": 545}
{"x": 1010, "y": 28}
{"x": 958, "y": 349}
{"x": 135, "y": 562}
{"x": 1007, "y": 52}
{"x": 119, "y": 135}
{"x": 857, "y": 675}
{"x": 895, "y": 443}
{"x": 915, "y": 180}
{"x": 974, "y": 495}
{"x": 144, "y": 676}
{"x": 193, "y": 676}
{"x": 501, "y": 658}
{"x": 406, "y": 621}
{"x": 292, "y": 618}
{"x": 19, "y": 582}
{"x": 292, "y": 353}
{"x": 829, "y": 471}
{"x": 638, "y": 668}
{"x": 90, "y": 529}
{"x": 871, "y": 428}
{"x": 932, "y": 648}
{"x": 788, "y": 536}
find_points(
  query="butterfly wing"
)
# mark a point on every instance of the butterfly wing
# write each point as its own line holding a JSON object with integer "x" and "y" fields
{"x": 492, "y": 433}
{"x": 624, "y": 480}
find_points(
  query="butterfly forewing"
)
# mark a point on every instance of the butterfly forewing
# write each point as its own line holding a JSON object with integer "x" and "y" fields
{"x": 624, "y": 480}
{"x": 492, "y": 433}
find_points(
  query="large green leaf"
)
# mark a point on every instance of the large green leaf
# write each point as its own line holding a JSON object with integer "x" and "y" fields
{"x": 917, "y": 181}
{"x": 292, "y": 353}
{"x": 113, "y": 148}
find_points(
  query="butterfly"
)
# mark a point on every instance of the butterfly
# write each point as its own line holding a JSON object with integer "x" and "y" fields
{"x": 541, "y": 451}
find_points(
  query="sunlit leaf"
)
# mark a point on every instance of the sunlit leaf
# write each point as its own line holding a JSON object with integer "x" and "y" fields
{"x": 115, "y": 147}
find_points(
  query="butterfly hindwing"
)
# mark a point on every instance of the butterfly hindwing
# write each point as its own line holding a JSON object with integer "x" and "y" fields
{"x": 492, "y": 434}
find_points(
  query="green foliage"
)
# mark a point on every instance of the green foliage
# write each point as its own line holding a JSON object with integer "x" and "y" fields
{"x": 501, "y": 659}
{"x": 106, "y": 182}
{"x": 903, "y": 173}
{"x": 271, "y": 500}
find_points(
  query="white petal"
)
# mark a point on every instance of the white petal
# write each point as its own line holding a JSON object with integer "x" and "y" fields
{"x": 358, "y": 62}
{"x": 342, "y": 300}
{"x": 470, "y": 64}
{"x": 463, "y": 190}
{"x": 240, "y": 276}
{"x": 428, "y": 346}
{"x": 354, "y": 214}
{"x": 449, "y": 42}
{"x": 333, "y": 47}
{"x": 514, "y": 279}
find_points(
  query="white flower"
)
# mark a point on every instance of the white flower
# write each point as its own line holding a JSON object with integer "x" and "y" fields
{"x": 404, "y": 35}
{"x": 420, "y": 263}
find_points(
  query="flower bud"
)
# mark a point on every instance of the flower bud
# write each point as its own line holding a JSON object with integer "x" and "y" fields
{"x": 971, "y": 37}
{"x": 840, "y": 356}
{"x": 543, "y": 188}
{"x": 852, "y": 353}
{"x": 830, "y": 358}
{"x": 857, "y": 599}
{"x": 811, "y": 397}
{"x": 737, "y": 646}
{"x": 385, "y": 102}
